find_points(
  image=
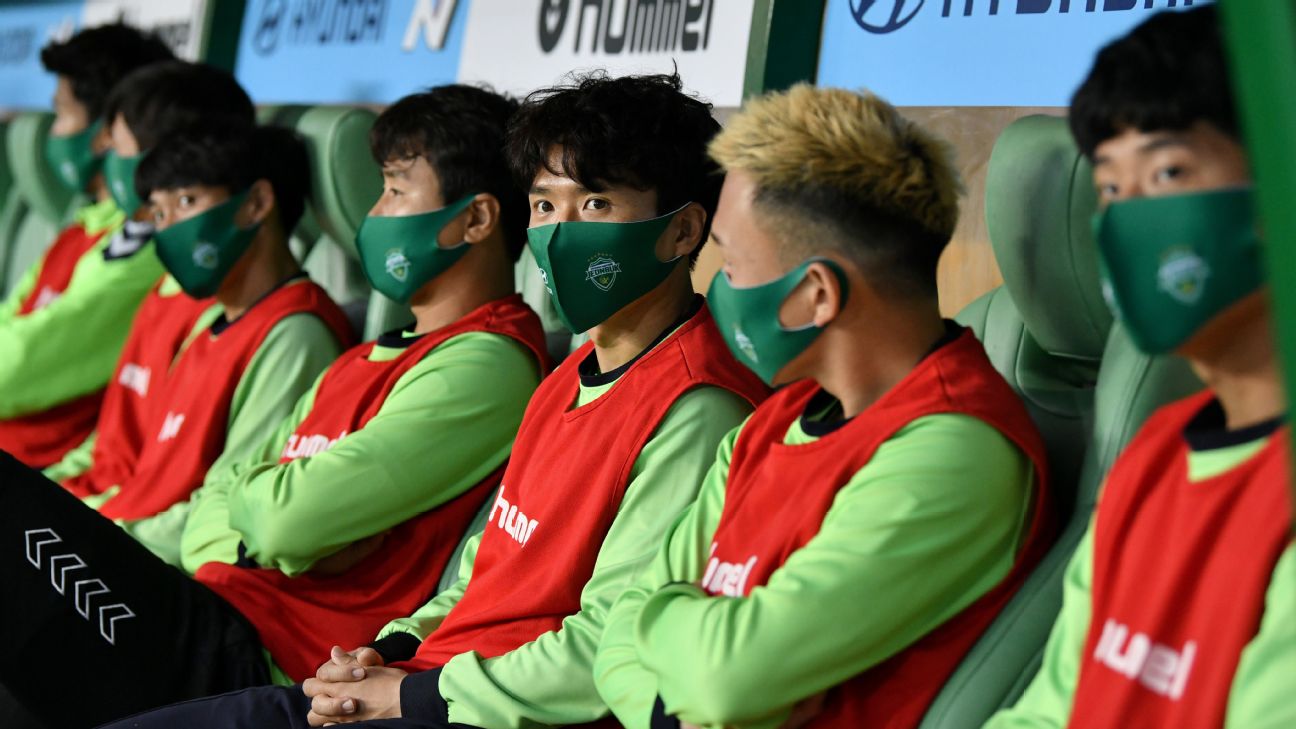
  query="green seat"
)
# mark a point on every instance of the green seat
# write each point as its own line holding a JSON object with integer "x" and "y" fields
{"x": 37, "y": 206}
{"x": 307, "y": 233}
{"x": 1049, "y": 333}
{"x": 345, "y": 183}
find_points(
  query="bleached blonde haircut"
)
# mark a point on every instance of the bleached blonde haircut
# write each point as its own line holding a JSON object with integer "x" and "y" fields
{"x": 838, "y": 154}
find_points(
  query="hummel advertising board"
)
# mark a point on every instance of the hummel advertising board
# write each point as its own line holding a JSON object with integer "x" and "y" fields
{"x": 521, "y": 45}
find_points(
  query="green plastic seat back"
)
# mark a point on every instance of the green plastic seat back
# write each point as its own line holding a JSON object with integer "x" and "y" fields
{"x": 345, "y": 183}
{"x": 1049, "y": 333}
{"x": 6, "y": 172}
{"x": 307, "y": 233}
{"x": 38, "y": 205}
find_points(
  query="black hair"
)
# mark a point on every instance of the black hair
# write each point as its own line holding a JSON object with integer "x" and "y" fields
{"x": 233, "y": 155}
{"x": 95, "y": 59}
{"x": 460, "y": 131}
{"x": 1168, "y": 73}
{"x": 639, "y": 131}
{"x": 163, "y": 97}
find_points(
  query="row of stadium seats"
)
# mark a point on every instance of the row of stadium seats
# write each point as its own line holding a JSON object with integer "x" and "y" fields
{"x": 1046, "y": 329}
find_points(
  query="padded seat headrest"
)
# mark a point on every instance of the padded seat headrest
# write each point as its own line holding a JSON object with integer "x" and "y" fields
{"x": 35, "y": 181}
{"x": 345, "y": 181}
{"x": 1039, "y": 202}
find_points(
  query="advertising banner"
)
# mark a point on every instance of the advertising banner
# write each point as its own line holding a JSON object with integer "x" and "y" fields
{"x": 348, "y": 51}
{"x": 521, "y": 45}
{"x": 181, "y": 23}
{"x": 25, "y": 28}
{"x": 972, "y": 52}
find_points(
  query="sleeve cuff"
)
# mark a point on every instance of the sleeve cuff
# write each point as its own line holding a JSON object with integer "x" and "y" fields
{"x": 396, "y": 646}
{"x": 660, "y": 719}
{"x": 420, "y": 698}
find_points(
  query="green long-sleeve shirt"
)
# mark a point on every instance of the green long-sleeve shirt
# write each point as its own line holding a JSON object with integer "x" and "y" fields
{"x": 1261, "y": 693}
{"x": 447, "y": 424}
{"x": 549, "y": 680}
{"x": 291, "y": 356}
{"x": 69, "y": 347}
{"x": 905, "y": 546}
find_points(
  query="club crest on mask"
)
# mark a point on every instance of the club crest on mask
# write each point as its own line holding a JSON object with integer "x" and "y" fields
{"x": 602, "y": 272}
{"x": 745, "y": 345}
{"x": 1183, "y": 275}
{"x": 397, "y": 264}
{"x": 206, "y": 255}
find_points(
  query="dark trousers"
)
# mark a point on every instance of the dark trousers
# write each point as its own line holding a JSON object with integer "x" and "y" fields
{"x": 93, "y": 625}
{"x": 268, "y": 707}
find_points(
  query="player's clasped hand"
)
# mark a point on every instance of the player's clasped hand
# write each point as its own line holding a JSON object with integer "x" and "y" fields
{"x": 353, "y": 686}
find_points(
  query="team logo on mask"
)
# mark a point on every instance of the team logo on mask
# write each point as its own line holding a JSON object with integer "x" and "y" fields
{"x": 397, "y": 264}
{"x": 744, "y": 343}
{"x": 603, "y": 272}
{"x": 1183, "y": 275}
{"x": 205, "y": 255}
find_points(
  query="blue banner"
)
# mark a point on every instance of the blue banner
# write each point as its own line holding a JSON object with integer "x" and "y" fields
{"x": 972, "y": 52}
{"x": 348, "y": 51}
{"x": 25, "y": 28}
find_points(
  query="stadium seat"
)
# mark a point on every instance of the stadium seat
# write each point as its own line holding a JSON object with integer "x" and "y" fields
{"x": 307, "y": 233}
{"x": 37, "y": 206}
{"x": 6, "y": 173}
{"x": 1049, "y": 333}
{"x": 345, "y": 183}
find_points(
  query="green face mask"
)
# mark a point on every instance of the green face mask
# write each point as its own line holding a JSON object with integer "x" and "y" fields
{"x": 72, "y": 157}
{"x": 593, "y": 270}
{"x": 399, "y": 254}
{"x": 1171, "y": 264}
{"x": 199, "y": 252}
{"x": 748, "y": 319}
{"x": 119, "y": 173}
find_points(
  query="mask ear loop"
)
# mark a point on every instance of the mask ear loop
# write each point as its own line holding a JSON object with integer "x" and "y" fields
{"x": 672, "y": 214}
{"x": 841, "y": 279}
{"x": 466, "y": 201}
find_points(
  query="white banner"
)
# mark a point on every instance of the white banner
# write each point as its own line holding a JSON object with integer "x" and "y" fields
{"x": 520, "y": 45}
{"x": 179, "y": 22}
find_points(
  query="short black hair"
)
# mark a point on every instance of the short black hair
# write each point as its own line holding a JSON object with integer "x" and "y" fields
{"x": 459, "y": 130}
{"x": 95, "y": 59}
{"x": 639, "y": 131}
{"x": 1168, "y": 73}
{"x": 233, "y": 155}
{"x": 161, "y": 98}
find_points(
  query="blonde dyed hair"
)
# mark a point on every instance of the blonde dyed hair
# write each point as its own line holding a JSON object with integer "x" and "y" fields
{"x": 853, "y": 146}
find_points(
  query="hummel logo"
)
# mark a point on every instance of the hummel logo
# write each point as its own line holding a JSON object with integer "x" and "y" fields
{"x": 44, "y": 550}
{"x": 1160, "y": 668}
{"x": 727, "y": 578}
{"x": 46, "y": 297}
{"x": 301, "y": 446}
{"x": 512, "y": 520}
{"x": 170, "y": 427}
{"x": 134, "y": 377}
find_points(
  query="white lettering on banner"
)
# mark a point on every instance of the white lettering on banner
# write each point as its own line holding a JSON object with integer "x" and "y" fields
{"x": 1160, "y": 668}
{"x": 433, "y": 18}
{"x": 135, "y": 377}
{"x": 170, "y": 427}
{"x": 301, "y": 446}
{"x": 727, "y": 578}
{"x": 550, "y": 38}
{"x": 511, "y": 520}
